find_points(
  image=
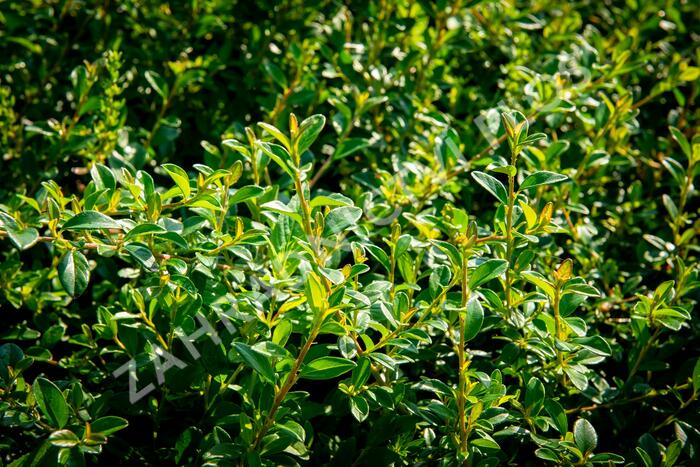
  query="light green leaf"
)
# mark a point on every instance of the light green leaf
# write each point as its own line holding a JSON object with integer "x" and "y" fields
{"x": 180, "y": 177}
{"x": 691, "y": 73}
{"x": 144, "y": 229}
{"x": 504, "y": 169}
{"x": 538, "y": 280}
{"x": 581, "y": 289}
{"x": 276, "y": 133}
{"x": 315, "y": 293}
{"x": 542, "y": 177}
{"x": 64, "y": 439}
{"x": 280, "y": 207}
{"x": 91, "y": 220}
{"x": 340, "y": 219}
{"x": 108, "y": 425}
{"x": 333, "y": 199}
{"x": 309, "y": 130}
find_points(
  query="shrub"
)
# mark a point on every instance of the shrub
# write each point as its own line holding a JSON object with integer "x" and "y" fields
{"x": 477, "y": 247}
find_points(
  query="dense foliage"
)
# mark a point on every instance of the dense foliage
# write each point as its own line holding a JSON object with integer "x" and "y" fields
{"x": 379, "y": 233}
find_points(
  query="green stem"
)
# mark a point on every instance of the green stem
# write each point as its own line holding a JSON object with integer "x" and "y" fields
{"x": 288, "y": 384}
{"x": 643, "y": 352}
{"x": 559, "y": 334}
{"x": 462, "y": 389}
{"x": 509, "y": 231}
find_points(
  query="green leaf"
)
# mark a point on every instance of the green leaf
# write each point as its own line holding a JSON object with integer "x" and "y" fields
{"x": 681, "y": 140}
{"x": 542, "y": 177}
{"x": 158, "y": 84}
{"x": 236, "y": 146}
{"x": 585, "y": 436}
{"x": 579, "y": 380}
{"x": 180, "y": 177}
{"x": 342, "y": 218}
{"x": 451, "y": 251}
{"x": 691, "y": 73}
{"x": 326, "y": 368}
{"x": 671, "y": 318}
{"x": 362, "y": 372}
{"x": 534, "y": 396}
{"x": 309, "y": 130}
{"x": 607, "y": 458}
{"x": 359, "y": 407}
{"x": 103, "y": 177}
{"x": 664, "y": 291}
{"x": 275, "y": 73}
{"x": 547, "y": 454}
{"x": 504, "y": 169}
{"x": 492, "y": 185}
{"x": 23, "y": 238}
{"x": 378, "y": 254}
{"x": 280, "y": 207}
{"x": 558, "y": 414}
{"x": 486, "y": 444}
{"x": 696, "y": 377}
{"x": 51, "y": 402}
{"x": 486, "y": 271}
{"x": 278, "y": 154}
{"x": 143, "y": 255}
{"x": 64, "y": 439}
{"x": 670, "y": 206}
{"x": 74, "y": 272}
{"x": 144, "y": 229}
{"x": 108, "y": 425}
{"x": 675, "y": 169}
{"x": 91, "y": 220}
{"x": 257, "y": 360}
{"x": 332, "y": 199}
{"x": 315, "y": 293}
{"x": 276, "y": 133}
{"x": 581, "y": 289}
{"x": 245, "y": 193}
{"x": 474, "y": 319}
{"x": 538, "y": 280}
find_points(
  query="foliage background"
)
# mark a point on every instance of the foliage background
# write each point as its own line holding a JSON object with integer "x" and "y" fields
{"x": 408, "y": 89}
